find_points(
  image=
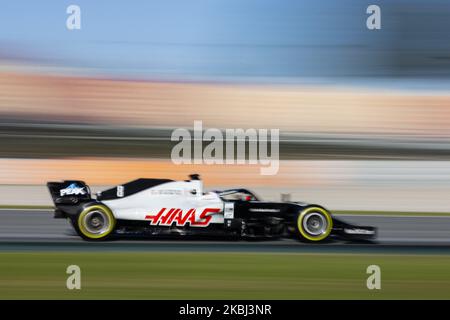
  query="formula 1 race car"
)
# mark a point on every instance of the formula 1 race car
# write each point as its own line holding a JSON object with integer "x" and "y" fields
{"x": 162, "y": 207}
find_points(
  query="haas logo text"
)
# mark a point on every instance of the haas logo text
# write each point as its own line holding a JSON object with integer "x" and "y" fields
{"x": 166, "y": 217}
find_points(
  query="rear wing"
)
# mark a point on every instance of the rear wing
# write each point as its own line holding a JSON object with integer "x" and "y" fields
{"x": 69, "y": 192}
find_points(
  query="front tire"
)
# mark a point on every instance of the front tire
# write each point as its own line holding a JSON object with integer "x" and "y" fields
{"x": 95, "y": 223}
{"x": 314, "y": 224}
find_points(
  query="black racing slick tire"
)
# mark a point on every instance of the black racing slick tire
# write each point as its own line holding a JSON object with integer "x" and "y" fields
{"x": 314, "y": 224}
{"x": 95, "y": 223}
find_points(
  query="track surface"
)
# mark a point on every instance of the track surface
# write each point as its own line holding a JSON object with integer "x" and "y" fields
{"x": 37, "y": 230}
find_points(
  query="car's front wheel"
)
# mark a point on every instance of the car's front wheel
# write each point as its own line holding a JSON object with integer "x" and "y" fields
{"x": 95, "y": 222}
{"x": 314, "y": 224}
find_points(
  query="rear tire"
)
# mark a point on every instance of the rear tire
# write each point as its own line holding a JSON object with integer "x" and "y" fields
{"x": 314, "y": 224}
{"x": 95, "y": 223}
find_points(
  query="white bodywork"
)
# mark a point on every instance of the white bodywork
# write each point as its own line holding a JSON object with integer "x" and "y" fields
{"x": 179, "y": 202}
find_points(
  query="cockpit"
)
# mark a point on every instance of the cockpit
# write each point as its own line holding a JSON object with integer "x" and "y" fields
{"x": 237, "y": 195}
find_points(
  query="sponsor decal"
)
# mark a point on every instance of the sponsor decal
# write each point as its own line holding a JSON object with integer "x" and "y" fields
{"x": 120, "y": 191}
{"x": 263, "y": 210}
{"x": 166, "y": 217}
{"x": 358, "y": 231}
{"x": 229, "y": 210}
{"x": 72, "y": 189}
{"x": 166, "y": 192}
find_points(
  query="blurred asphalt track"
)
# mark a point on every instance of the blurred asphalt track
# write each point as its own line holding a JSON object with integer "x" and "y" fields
{"x": 37, "y": 230}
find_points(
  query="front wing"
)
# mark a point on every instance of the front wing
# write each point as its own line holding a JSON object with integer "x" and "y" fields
{"x": 346, "y": 231}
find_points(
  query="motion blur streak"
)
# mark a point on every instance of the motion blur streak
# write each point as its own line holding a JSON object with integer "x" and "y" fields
{"x": 364, "y": 120}
{"x": 99, "y": 104}
{"x": 299, "y": 108}
{"x": 340, "y": 185}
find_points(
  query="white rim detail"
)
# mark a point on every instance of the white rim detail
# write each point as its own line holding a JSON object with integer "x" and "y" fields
{"x": 96, "y": 222}
{"x": 315, "y": 223}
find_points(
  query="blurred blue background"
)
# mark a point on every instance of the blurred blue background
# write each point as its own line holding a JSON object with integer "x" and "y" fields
{"x": 258, "y": 40}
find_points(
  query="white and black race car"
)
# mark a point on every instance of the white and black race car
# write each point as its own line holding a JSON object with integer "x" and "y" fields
{"x": 162, "y": 207}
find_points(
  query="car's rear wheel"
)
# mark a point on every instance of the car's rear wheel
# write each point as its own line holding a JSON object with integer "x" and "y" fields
{"x": 314, "y": 224}
{"x": 95, "y": 222}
